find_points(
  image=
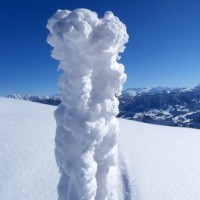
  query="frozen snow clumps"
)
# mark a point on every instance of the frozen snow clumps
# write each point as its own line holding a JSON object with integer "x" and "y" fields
{"x": 87, "y": 48}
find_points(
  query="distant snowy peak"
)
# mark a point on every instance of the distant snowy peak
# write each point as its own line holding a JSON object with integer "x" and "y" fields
{"x": 14, "y": 96}
{"x": 188, "y": 89}
{"x": 132, "y": 92}
{"x": 51, "y": 100}
{"x": 197, "y": 87}
{"x": 129, "y": 92}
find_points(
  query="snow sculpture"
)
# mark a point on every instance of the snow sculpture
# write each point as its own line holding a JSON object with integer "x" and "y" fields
{"x": 87, "y": 48}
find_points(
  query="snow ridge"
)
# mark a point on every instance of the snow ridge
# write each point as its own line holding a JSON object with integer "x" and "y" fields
{"x": 87, "y": 129}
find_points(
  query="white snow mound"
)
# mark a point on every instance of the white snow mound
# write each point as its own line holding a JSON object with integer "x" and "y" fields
{"x": 87, "y": 48}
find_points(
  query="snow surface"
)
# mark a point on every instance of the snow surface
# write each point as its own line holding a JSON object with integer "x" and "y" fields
{"x": 27, "y": 163}
{"x": 157, "y": 162}
{"x": 162, "y": 162}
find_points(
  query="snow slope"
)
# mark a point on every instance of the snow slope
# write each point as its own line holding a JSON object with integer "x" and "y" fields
{"x": 163, "y": 163}
{"x": 27, "y": 165}
{"x": 157, "y": 162}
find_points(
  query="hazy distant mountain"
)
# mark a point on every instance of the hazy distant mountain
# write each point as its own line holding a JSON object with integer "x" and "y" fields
{"x": 50, "y": 100}
{"x": 160, "y": 105}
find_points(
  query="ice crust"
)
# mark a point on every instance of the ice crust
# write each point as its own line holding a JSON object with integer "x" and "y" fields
{"x": 87, "y": 48}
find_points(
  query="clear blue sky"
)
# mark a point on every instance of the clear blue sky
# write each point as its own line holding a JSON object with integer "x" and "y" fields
{"x": 164, "y": 46}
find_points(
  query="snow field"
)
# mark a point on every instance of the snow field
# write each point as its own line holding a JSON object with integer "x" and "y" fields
{"x": 156, "y": 162}
{"x": 28, "y": 169}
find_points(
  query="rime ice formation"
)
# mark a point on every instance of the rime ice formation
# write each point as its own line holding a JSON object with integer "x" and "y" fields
{"x": 86, "y": 136}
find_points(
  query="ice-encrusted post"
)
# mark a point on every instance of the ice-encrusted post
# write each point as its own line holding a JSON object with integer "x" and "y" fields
{"x": 86, "y": 136}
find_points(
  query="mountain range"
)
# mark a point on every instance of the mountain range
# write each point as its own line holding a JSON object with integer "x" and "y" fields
{"x": 159, "y": 105}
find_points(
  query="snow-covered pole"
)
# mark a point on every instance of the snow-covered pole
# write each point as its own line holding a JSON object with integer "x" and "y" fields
{"x": 86, "y": 136}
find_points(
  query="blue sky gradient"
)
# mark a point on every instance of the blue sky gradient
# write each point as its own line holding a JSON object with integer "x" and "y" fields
{"x": 164, "y": 46}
